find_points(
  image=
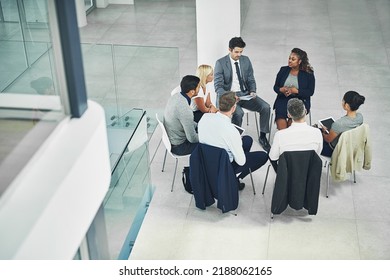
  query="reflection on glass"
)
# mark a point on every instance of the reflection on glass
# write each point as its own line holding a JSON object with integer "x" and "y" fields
{"x": 30, "y": 104}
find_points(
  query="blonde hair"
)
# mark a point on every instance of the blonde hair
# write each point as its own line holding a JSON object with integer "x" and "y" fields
{"x": 202, "y": 72}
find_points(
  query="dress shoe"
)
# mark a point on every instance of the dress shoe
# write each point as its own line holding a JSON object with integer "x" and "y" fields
{"x": 241, "y": 186}
{"x": 264, "y": 143}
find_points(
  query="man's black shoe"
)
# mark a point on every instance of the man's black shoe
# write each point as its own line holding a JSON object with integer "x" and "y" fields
{"x": 241, "y": 186}
{"x": 264, "y": 143}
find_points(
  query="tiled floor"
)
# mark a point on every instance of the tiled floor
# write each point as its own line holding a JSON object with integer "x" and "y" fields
{"x": 348, "y": 44}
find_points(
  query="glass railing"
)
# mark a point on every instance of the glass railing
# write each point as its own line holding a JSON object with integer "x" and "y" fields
{"x": 130, "y": 190}
{"x": 123, "y": 77}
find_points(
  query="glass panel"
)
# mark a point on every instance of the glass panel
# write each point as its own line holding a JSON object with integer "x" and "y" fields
{"x": 130, "y": 179}
{"x": 30, "y": 104}
{"x": 121, "y": 77}
{"x": 10, "y": 11}
{"x": 99, "y": 77}
{"x": 36, "y": 11}
{"x": 144, "y": 74}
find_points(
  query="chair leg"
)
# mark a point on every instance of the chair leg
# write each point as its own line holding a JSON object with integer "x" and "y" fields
{"x": 257, "y": 125}
{"x": 247, "y": 119}
{"x": 354, "y": 176}
{"x": 270, "y": 125}
{"x": 327, "y": 178}
{"x": 266, "y": 177}
{"x": 174, "y": 175}
{"x": 165, "y": 157}
{"x": 253, "y": 185}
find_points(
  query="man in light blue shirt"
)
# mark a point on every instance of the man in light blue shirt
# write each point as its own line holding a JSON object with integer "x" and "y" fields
{"x": 218, "y": 131}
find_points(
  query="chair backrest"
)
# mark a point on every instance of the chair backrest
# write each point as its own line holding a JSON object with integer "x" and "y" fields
{"x": 164, "y": 135}
{"x": 297, "y": 183}
{"x": 354, "y": 136}
{"x": 176, "y": 90}
{"x": 212, "y": 176}
{"x": 352, "y": 152}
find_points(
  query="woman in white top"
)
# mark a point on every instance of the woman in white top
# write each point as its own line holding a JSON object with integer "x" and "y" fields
{"x": 205, "y": 100}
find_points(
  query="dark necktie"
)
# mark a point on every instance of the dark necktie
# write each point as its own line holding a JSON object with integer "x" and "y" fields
{"x": 239, "y": 77}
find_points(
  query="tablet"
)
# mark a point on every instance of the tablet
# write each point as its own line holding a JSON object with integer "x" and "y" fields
{"x": 327, "y": 122}
{"x": 239, "y": 128}
{"x": 246, "y": 97}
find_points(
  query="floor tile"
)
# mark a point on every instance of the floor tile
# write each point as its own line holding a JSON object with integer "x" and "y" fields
{"x": 307, "y": 237}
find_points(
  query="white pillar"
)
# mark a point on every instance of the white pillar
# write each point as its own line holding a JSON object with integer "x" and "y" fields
{"x": 217, "y": 21}
{"x": 81, "y": 15}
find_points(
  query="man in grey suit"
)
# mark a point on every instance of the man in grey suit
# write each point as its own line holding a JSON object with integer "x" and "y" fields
{"x": 234, "y": 72}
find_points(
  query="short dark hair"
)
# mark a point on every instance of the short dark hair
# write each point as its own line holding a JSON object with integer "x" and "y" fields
{"x": 227, "y": 101}
{"x": 236, "y": 42}
{"x": 353, "y": 99}
{"x": 189, "y": 82}
{"x": 296, "y": 108}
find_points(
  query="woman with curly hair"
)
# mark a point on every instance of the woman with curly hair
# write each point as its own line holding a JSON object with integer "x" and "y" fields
{"x": 294, "y": 80}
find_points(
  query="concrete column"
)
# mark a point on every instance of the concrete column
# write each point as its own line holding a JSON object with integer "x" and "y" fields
{"x": 217, "y": 22}
{"x": 81, "y": 15}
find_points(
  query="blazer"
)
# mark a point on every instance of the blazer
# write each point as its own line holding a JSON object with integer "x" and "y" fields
{"x": 297, "y": 182}
{"x": 352, "y": 152}
{"x": 212, "y": 177}
{"x": 306, "y": 84}
{"x": 223, "y": 75}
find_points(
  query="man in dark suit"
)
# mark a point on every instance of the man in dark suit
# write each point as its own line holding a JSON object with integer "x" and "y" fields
{"x": 234, "y": 72}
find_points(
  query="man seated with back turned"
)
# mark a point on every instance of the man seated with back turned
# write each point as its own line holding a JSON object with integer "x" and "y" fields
{"x": 179, "y": 118}
{"x": 298, "y": 137}
{"x": 218, "y": 131}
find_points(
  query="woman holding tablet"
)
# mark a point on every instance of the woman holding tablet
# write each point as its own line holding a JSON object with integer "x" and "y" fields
{"x": 351, "y": 103}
